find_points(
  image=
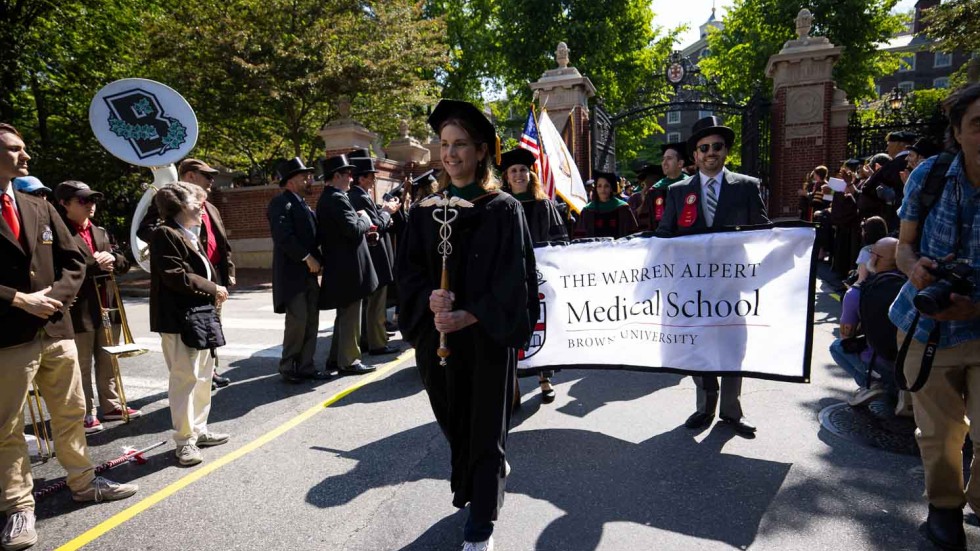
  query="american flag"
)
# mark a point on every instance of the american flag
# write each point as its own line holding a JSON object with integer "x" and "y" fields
{"x": 530, "y": 141}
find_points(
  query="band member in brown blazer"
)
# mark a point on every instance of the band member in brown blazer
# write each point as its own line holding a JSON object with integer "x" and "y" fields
{"x": 41, "y": 270}
{"x": 714, "y": 197}
{"x": 77, "y": 205}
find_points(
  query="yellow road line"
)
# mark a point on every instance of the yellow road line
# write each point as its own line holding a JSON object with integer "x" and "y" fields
{"x": 121, "y": 517}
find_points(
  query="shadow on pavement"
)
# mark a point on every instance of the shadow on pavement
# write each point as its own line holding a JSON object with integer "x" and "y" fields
{"x": 595, "y": 389}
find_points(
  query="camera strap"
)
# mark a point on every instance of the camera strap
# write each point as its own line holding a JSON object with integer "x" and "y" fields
{"x": 932, "y": 345}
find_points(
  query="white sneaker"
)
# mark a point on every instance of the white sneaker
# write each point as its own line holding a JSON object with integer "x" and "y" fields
{"x": 865, "y": 396}
{"x": 19, "y": 532}
{"x": 189, "y": 454}
{"x": 478, "y": 545}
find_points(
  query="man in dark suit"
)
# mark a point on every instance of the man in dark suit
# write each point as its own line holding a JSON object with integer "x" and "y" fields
{"x": 214, "y": 238}
{"x": 348, "y": 274}
{"x": 295, "y": 266}
{"x": 714, "y": 197}
{"x": 41, "y": 270}
{"x": 382, "y": 253}
{"x": 77, "y": 205}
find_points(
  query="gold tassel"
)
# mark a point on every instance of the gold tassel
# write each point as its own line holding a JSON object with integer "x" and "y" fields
{"x": 498, "y": 150}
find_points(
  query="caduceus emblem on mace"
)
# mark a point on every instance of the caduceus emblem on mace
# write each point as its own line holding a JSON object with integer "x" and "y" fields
{"x": 446, "y": 211}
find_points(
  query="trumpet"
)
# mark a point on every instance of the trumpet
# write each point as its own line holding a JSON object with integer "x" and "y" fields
{"x": 128, "y": 347}
{"x": 41, "y": 434}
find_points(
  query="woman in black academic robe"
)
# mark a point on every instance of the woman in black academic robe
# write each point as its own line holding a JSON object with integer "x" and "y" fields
{"x": 607, "y": 215}
{"x": 543, "y": 220}
{"x": 488, "y": 314}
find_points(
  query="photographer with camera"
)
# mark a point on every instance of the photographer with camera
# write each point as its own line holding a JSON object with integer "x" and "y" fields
{"x": 939, "y": 310}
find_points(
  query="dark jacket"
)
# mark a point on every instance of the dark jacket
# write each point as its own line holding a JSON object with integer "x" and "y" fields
{"x": 178, "y": 278}
{"x": 293, "y": 228}
{"x": 226, "y": 268}
{"x": 50, "y": 260}
{"x": 739, "y": 204}
{"x": 382, "y": 254}
{"x": 86, "y": 313}
{"x": 348, "y": 274}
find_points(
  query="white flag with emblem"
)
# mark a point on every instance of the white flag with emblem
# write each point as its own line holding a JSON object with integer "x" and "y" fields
{"x": 568, "y": 181}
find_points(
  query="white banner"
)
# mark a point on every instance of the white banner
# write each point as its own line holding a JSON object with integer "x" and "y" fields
{"x": 728, "y": 302}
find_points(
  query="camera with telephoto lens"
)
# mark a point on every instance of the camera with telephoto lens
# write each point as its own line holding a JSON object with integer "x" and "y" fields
{"x": 951, "y": 277}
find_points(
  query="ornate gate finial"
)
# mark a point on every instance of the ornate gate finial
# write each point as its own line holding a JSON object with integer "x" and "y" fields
{"x": 561, "y": 55}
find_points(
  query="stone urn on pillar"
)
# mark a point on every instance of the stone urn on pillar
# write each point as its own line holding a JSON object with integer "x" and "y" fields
{"x": 809, "y": 114}
{"x": 407, "y": 149}
{"x": 345, "y": 134}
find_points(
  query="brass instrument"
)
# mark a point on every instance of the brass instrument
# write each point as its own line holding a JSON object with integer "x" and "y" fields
{"x": 41, "y": 434}
{"x": 128, "y": 347}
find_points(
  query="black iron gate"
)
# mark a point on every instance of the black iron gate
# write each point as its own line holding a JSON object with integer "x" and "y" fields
{"x": 692, "y": 92}
{"x": 865, "y": 140}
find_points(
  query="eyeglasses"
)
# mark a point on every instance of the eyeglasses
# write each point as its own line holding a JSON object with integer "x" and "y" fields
{"x": 207, "y": 175}
{"x": 716, "y": 147}
{"x": 85, "y": 201}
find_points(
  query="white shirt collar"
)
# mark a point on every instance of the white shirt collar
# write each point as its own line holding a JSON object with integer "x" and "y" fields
{"x": 719, "y": 178}
{"x": 13, "y": 196}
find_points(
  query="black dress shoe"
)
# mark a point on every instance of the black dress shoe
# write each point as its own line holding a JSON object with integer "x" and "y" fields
{"x": 317, "y": 375}
{"x": 699, "y": 420}
{"x": 944, "y": 527}
{"x": 741, "y": 425}
{"x": 291, "y": 378}
{"x": 219, "y": 381}
{"x": 391, "y": 327}
{"x": 390, "y": 334}
{"x": 388, "y": 349}
{"x": 357, "y": 368}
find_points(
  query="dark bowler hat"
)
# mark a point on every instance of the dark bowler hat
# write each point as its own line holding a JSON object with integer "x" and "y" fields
{"x": 679, "y": 147}
{"x": 519, "y": 156}
{"x": 924, "y": 147}
{"x": 902, "y": 136}
{"x": 290, "y": 168}
{"x": 333, "y": 164}
{"x": 73, "y": 188}
{"x": 706, "y": 127}
{"x": 363, "y": 165}
{"x": 464, "y": 110}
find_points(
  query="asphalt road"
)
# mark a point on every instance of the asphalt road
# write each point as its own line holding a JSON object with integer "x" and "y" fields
{"x": 607, "y": 466}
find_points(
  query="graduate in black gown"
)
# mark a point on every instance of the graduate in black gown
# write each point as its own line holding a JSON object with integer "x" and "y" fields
{"x": 488, "y": 314}
{"x": 543, "y": 219}
{"x": 606, "y": 215}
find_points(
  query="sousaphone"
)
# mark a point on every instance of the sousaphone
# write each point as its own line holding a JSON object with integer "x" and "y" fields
{"x": 144, "y": 123}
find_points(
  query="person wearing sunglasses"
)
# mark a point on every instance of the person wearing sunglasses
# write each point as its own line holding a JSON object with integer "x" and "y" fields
{"x": 76, "y": 202}
{"x": 714, "y": 198}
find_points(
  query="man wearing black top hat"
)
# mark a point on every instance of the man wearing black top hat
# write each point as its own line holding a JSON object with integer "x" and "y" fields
{"x": 295, "y": 266}
{"x": 714, "y": 197}
{"x": 380, "y": 248}
{"x": 348, "y": 274}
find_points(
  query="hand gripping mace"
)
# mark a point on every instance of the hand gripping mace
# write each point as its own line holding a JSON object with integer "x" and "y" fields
{"x": 445, "y": 213}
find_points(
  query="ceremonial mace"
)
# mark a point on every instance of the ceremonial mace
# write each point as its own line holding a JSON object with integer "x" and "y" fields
{"x": 129, "y": 455}
{"x": 445, "y": 213}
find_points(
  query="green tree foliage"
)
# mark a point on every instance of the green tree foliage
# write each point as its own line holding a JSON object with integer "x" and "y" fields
{"x": 757, "y": 29}
{"x": 955, "y": 25}
{"x": 502, "y": 45}
{"x": 56, "y": 55}
{"x": 265, "y": 75}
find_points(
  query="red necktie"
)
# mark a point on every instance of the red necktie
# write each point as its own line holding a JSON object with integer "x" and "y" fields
{"x": 11, "y": 216}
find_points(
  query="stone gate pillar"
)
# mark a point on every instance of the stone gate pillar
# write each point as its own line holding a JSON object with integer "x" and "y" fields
{"x": 565, "y": 93}
{"x": 809, "y": 115}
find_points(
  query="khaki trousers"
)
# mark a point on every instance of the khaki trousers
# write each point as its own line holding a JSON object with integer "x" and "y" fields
{"x": 344, "y": 349}
{"x": 299, "y": 334}
{"x": 190, "y": 387}
{"x": 375, "y": 316}
{"x": 89, "y": 347}
{"x": 53, "y": 365}
{"x": 942, "y": 408}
